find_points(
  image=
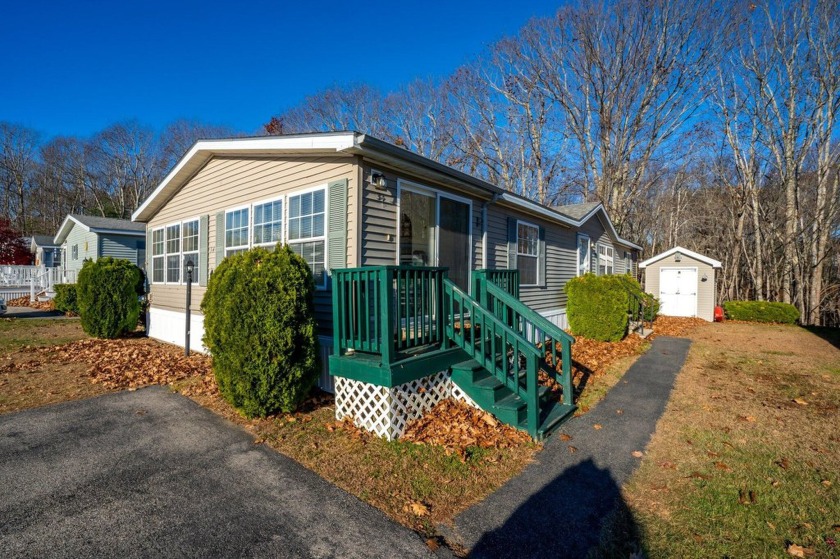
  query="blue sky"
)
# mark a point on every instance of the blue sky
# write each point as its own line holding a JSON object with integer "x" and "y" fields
{"x": 72, "y": 68}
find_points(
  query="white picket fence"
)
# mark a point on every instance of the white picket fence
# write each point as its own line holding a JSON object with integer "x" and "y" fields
{"x": 34, "y": 279}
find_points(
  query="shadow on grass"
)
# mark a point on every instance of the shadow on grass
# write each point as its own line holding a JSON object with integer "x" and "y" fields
{"x": 831, "y": 335}
{"x": 565, "y": 519}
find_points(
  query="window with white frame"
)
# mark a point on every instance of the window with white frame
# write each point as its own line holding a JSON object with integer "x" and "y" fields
{"x": 628, "y": 263}
{"x": 189, "y": 247}
{"x": 527, "y": 253}
{"x": 173, "y": 253}
{"x": 605, "y": 260}
{"x": 74, "y": 252}
{"x": 158, "y": 257}
{"x": 583, "y": 255}
{"x": 306, "y": 230}
{"x": 236, "y": 231}
{"x": 268, "y": 223}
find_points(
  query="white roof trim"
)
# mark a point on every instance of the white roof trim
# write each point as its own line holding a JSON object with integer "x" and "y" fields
{"x": 347, "y": 142}
{"x": 690, "y": 253}
{"x": 203, "y": 150}
{"x": 65, "y": 228}
{"x": 557, "y": 216}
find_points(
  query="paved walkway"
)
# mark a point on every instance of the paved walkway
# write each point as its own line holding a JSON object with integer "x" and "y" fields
{"x": 556, "y": 507}
{"x": 152, "y": 474}
{"x": 29, "y": 312}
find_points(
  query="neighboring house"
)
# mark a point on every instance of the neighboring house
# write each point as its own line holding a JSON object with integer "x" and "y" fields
{"x": 45, "y": 251}
{"x": 683, "y": 281}
{"x": 88, "y": 237}
{"x": 347, "y": 200}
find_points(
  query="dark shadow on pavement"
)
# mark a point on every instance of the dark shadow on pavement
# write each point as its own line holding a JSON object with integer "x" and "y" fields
{"x": 564, "y": 519}
{"x": 28, "y": 312}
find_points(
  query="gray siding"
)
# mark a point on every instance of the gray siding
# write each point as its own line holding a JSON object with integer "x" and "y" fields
{"x": 706, "y": 296}
{"x": 122, "y": 246}
{"x": 560, "y": 264}
{"x": 379, "y": 219}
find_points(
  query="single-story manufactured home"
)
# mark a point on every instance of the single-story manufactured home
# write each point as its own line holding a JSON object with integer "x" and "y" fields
{"x": 347, "y": 201}
{"x": 45, "y": 251}
{"x": 683, "y": 281}
{"x": 89, "y": 237}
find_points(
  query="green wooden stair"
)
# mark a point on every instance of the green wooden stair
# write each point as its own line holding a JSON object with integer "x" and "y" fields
{"x": 508, "y": 345}
{"x": 493, "y": 396}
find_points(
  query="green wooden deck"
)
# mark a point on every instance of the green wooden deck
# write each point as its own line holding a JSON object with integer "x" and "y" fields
{"x": 395, "y": 324}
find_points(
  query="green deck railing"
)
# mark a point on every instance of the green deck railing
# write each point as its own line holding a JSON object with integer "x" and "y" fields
{"x": 387, "y": 310}
{"x": 495, "y": 346}
{"x": 505, "y": 279}
{"x": 539, "y": 331}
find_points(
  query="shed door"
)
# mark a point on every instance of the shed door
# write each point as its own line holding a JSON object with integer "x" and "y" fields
{"x": 678, "y": 291}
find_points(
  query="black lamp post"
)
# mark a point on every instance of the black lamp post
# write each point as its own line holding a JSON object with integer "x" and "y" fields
{"x": 190, "y": 266}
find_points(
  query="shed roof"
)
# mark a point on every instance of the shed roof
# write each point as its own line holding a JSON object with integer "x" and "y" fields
{"x": 96, "y": 224}
{"x": 690, "y": 253}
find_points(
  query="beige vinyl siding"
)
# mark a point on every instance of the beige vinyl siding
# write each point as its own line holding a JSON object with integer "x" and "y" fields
{"x": 229, "y": 182}
{"x": 88, "y": 244}
{"x": 705, "y": 289}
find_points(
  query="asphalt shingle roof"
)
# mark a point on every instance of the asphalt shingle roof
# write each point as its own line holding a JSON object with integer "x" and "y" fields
{"x": 576, "y": 211}
{"x": 95, "y": 222}
{"x": 44, "y": 240}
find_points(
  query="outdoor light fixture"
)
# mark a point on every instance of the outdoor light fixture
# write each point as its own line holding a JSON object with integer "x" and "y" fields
{"x": 190, "y": 266}
{"x": 678, "y": 257}
{"x": 704, "y": 278}
{"x": 377, "y": 180}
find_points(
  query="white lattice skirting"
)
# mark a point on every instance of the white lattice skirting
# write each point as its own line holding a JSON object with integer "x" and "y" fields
{"x": 387, "y": 411}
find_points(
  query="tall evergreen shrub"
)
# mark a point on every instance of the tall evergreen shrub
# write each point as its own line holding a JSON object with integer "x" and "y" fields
{"x": 761, "y": 311}
{"x": 259, "y": 324}
{"x": 106, "y": 293}
{"x": 597, "y": 307}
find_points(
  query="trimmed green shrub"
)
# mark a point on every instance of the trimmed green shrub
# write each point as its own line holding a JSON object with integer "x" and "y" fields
{"x": 107, "y": 297}
{"x": 597, "y": 307}
{"x": 259, "y": 325}
{"x": 761, "y": 311}
{"x": 65, "y": 299}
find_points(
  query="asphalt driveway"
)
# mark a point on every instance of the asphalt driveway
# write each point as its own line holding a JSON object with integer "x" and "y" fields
{"x": 150, "y": 473}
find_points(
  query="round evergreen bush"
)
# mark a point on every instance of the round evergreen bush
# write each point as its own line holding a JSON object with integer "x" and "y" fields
{"x": 259, "y": 324}
{"x": 106, "y": 293}
{"x": 65, "y": 298}
{"x": 597, "y": 307}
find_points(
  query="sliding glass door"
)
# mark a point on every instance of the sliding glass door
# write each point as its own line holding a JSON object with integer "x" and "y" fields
{"x": 434, "y": 230}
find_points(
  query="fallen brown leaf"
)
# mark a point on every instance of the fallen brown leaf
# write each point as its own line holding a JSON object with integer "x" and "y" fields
{"x": 565, "y": 438}
{"x": 638, "y": 453}
{"x": 572, "y": 449}
{"x": 419, "y": 509}
{"x": 597, "y": 427}
{"x": 800, "y": 401}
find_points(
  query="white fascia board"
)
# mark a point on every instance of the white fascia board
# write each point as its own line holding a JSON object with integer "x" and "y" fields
{"x": 690, "y": 253}
{"x": 557, "y": 216}
{"x": 68, "y": 224}
{"x": 203, "y": 150}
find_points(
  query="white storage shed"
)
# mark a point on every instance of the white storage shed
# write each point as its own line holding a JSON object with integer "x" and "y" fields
{"x": 683, "y": 281}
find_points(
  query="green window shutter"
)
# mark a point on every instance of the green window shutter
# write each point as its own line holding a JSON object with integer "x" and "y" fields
{"x": 541, "y": 259}
{"x": 220, "y": 239}
{"x": 203, "y": 253}
{"x": 511, "y": 222}
{"x": 148, "y": 254}
{"x": 337, "y": 224}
